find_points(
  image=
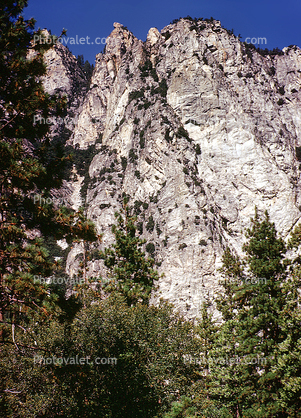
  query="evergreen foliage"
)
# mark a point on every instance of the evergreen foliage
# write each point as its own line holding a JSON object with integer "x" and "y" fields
{"x": 154, "y": 362}
{"x": 132, "y": 274}
{"x": 144, "y": 375}
{"x": 258, "y": 305}
{"x": 86, "y": 67}
{"x": 30, "y": 168}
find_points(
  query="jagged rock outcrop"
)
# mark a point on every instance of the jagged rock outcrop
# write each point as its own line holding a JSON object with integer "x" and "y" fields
{"x": 196, "y": 128}
{"x": 65, "y": 78}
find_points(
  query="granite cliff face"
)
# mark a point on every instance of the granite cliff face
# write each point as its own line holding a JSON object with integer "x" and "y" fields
{"x": 196, "y": 128}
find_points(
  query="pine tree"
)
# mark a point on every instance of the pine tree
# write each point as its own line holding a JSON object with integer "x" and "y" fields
{"x": 85, "y": 66}
{"x": 258, "y": 296}
{"x": 289, "y": 359}
{"x": 202, "y": 392}
{"x": 132, "y": 274}
{"x": 207, "y": 331}
{"x": 261, "y": 303}
{"x": 29, "y": 169}
{"x": 226, "y": 374}
{"x": 181, "y": 409}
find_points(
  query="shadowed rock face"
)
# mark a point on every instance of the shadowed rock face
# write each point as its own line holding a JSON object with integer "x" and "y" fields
{"x": 195, "y": 127}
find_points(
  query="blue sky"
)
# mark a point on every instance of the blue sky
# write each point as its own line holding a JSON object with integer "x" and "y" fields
{"x": 276, "y": 20}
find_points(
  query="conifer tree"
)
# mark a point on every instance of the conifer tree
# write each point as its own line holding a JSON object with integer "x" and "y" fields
{"x": 202, "y": 391}
{"x": 207, "y": 331}
{"x": 29, "y": 169}
{"x": 226, "y": 381}
{"x": 131, "y": 272}
{"x": 259, "y": 295}
{"x": 181, "y": 409}
{"x": 289, "y": 359}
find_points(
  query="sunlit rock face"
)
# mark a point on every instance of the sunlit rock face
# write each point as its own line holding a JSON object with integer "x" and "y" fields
{"x": 197, "y": 129}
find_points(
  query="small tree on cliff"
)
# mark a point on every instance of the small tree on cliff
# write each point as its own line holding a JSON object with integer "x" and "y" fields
{"x": 132, "y": 274}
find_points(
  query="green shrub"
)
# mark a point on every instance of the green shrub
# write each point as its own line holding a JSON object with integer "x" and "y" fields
{"x": 197, "y": 220}
{"x": 124, "y": 162}
{"x": 166, "y": 136}
{"x": 154, "y": 74}
{"x": 281, "y": 90}
{"x": 136, "y": 94}
{"x": 182, "y": 246}
{"x": 163, "y": 87}
{"x": 165, "y": 241}
{"x": 142, "y": 139}
{"x": 272, "y": 71}
{"x": 154, "y": 198}
{"x": 198, "y": 149}
{"x": 137, "y": 205}
{"x": 150, "y": 224}
{"x": 298, "y": 153}
{"x": 140, "y": 227}
{"x": 159, "y": 232}
{"x": 182, "y": 133}
{"x": 150, "y": 248}
{"x": 166, "y": 35}
{"x": 132, "y": 155}
{"x": 146, "y": 69}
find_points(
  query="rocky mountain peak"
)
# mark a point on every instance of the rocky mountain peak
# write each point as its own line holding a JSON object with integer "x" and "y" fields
{"x": 196, "y": 128}
{"x": 153, "y": 36}
{"x": 118, "y": 42}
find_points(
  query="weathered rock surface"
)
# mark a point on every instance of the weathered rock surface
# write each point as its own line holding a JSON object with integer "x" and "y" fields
{"x": 196, "y": 128}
